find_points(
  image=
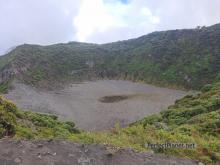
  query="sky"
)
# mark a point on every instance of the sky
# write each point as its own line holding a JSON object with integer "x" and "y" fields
{"x": 97, "y": 21}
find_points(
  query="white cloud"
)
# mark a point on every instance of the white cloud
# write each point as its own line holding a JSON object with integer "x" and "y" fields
{"x": 153, "y": 19}
{"x": 93, "y": 16}
{"x": 96, "y": 17}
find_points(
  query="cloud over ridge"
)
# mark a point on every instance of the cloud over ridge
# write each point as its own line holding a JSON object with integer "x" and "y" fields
{"x": 98, "y": 21}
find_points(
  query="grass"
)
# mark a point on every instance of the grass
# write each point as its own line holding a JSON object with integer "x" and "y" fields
{"x": 4, "y": 87}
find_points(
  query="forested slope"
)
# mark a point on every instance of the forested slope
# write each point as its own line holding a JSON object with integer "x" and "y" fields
{"x": 187, "y": 58}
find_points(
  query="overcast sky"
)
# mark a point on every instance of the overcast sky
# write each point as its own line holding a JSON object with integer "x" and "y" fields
{"x": 98, "y": 21}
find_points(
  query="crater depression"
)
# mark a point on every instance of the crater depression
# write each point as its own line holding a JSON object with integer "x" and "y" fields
{"x": 96, "y": 105}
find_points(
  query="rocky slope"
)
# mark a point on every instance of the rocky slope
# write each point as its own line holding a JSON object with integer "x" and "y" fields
{"x": 67, "y": 153}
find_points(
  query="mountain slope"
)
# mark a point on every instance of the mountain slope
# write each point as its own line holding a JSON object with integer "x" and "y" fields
{"x": 186, "y": 58}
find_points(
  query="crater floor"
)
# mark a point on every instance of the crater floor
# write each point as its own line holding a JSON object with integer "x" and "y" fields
{"x": 96, "y": 105}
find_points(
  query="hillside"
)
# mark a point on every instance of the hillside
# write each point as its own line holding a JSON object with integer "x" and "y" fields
{"x": 187, "y": 58}
{"x": 192, "y": 120}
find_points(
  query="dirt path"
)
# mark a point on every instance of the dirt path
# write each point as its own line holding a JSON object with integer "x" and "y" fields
{"x": 97, "y": 105}
{"x": 67, "y": 153}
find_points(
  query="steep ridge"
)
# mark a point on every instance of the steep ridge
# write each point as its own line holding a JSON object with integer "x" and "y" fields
{"x": 184, "y": 58}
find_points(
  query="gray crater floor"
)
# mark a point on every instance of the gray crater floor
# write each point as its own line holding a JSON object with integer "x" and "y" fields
{"x": 82, "y": 103}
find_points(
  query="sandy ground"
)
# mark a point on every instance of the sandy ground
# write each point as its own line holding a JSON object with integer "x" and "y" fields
{"x": 67, "y": 153}
{"x": 81, "y": 102}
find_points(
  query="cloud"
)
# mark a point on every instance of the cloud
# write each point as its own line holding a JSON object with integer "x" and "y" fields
{"x": 93, "y": 17}
{"x": 97, "y": 18}
{"x": 100, "y": 21}
{"x": 37, "y": 22}
{"x": 185, "y": 13}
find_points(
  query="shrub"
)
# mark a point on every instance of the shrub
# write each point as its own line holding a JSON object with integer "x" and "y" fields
{"x": 206, "y": 88}
{"x": 7, "y": 122}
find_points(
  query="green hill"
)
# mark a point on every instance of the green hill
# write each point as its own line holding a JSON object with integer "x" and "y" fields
{"x": 187, "y": 58}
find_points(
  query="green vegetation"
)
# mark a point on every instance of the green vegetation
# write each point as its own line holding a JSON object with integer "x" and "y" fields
{"x": 26, "y": 124}
{"x": 191, "y": 120}
{"x": 4, "y": 87}
{"x": 176, "y": 58}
